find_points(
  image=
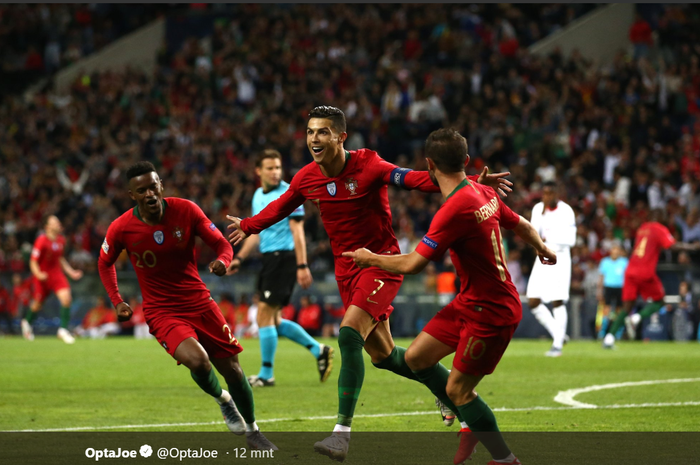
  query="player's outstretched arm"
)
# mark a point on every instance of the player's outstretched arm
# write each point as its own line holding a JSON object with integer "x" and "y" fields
{"x": 527, "y": 233}
{"x": 497, "y": 181}
{"x": 237, "y": 234}
{"x": 420, "y": 180}
{"x": 411, "y": 263}
{"x": 275, "y": 211}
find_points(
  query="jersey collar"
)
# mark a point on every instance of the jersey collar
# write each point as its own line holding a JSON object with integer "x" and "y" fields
{"x": 462, "y": 184}
{"x": 137, "y": 213}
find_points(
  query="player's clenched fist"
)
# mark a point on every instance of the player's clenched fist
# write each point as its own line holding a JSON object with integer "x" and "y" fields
{"x": 217, "y": 267}
{"x": 362, "y": 257}
{"x": 124, "y": 312}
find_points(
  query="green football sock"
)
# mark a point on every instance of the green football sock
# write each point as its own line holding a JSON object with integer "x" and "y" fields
{"x": 243, "y": 397}
{"x": 478, "y": 416}
{"x": 30, "y": 316}
{"x": 482, "y": 422}
{"x": 352, "y": 373}
{"x": 396, "y": 362}
{"x": 651, "y": 308}
{"x": 209, "y": 383}
{"x": 619, "y": 321}
{"x": 435, "y": 378}
{"x": 65, "y": 317}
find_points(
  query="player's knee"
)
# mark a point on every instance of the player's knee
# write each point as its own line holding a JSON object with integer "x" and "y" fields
{"x": 198, "y": 364}
{"x": 415, "y": 360}
{"x": 458, "y": 393}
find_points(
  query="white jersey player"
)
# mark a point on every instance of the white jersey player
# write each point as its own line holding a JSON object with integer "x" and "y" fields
{"x": 555, "y": 221}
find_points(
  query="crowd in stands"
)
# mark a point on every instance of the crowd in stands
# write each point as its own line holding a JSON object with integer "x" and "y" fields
{"x": 36, "y": 40}
{"x": 622, "y": 138}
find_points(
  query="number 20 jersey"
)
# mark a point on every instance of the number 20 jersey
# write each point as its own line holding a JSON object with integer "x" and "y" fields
{"x": 163, "y": 255}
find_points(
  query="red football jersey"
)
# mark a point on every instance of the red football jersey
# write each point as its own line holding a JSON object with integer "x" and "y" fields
{"x": 163, "y": 256}
{"x": 47, "y": 253}
{"x": 354, "y": 205}
{"x": 651, "y": 239}
{"x": 468, "y": 223}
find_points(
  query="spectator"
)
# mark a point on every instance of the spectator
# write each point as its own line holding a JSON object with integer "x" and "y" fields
{"x": 99, "y": 322}
{"x": 310, "y": 317}
{"x": 332, "y": 317}
{"x": 640, "y": 36}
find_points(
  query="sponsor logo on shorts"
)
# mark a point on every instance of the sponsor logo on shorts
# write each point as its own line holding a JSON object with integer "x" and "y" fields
{"x": 212, "y": 226}
{"x": 159, "y": 237}
{"x": 105, "y": 246}
{"x": 429, "y": 242}
{"x": 165, "y": 346}
{"x": 331, "y": 188}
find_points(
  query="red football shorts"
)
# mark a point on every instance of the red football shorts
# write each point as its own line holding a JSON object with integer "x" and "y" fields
{"x": 371, "y": 289}
{"x": 650, "y": 288}
{"x": 209, "y": 328}
{"x": 478, "y": 346}
{"x": 54, "y": 283}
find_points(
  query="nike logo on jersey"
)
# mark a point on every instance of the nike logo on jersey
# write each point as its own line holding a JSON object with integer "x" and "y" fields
{"x": 137, "y": 243}
{"x": 313, "y": 190}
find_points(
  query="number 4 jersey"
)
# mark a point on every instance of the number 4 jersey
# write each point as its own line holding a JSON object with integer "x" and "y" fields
{"x": 651, "y": 238}
{"x": 163, "y": 256}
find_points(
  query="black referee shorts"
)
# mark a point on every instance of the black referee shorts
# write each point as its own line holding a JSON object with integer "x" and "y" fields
{"x": 612, "y": 295}
{"x": 278, "y": 277}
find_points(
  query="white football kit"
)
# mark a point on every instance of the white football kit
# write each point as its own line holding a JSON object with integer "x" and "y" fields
{"x": 557, "y": 228}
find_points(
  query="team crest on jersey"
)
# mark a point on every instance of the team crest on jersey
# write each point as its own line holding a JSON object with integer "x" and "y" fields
{"x": 330, "y": 187}
{"x": 54, "y": 246}
{"x": 105, "y": 246}
{"x": 351, "y": 185}
{"x": 159, "y": 237}
{"x": 177, "y": 234}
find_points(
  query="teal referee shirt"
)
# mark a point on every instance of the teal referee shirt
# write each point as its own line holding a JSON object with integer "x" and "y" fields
{"x": 277, "y": 237}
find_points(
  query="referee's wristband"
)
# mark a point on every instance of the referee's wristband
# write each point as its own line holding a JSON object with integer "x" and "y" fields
{"x": 302, "y": 266}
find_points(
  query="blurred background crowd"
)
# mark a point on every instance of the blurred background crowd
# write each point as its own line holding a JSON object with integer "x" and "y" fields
{"x": 621, "y": 138}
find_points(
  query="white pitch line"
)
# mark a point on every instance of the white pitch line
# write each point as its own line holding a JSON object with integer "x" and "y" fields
{"x": 567, "y": 397}
{"x": 333, "y": 417}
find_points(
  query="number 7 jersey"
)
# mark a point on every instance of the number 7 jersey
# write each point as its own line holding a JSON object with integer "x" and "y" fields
{"x": 163, "y": 256}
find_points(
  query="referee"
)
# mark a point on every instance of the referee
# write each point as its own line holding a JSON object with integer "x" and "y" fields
{"x": 283, "y": 248}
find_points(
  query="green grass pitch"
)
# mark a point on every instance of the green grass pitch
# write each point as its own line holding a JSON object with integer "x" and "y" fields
{"x": 118, "y": 384}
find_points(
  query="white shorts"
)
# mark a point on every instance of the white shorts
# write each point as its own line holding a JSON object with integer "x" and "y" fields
{"x": 551, "y": 282}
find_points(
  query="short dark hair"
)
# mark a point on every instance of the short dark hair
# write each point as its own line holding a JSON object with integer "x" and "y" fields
{"x": 268, "y": 153}
{"x": 334, "y": 114}
{"x": 551, "y": 184}
{"x": 45, "y": 218}
{"x": 137, "y": 169}
{"x": 448, "y": 150}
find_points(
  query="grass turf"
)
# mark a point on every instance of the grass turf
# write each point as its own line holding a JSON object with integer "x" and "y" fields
{"x": 108, "y": 384}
